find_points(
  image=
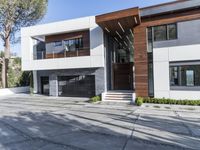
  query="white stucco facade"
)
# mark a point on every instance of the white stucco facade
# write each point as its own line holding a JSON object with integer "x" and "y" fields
{"x": 96, "y": 58}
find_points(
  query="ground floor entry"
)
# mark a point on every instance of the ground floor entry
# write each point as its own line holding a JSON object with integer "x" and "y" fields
{"x": 123, "y": 76}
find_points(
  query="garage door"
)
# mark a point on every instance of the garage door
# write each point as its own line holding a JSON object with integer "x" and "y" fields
{"x": 76, "y": 86}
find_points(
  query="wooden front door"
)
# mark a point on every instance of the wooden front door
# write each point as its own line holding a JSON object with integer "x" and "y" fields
{"x": 123, "y": 76}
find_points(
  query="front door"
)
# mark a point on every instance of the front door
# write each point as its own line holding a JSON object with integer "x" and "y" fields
{"x": 123, "y": 76}
{"x": 45, "y": 85}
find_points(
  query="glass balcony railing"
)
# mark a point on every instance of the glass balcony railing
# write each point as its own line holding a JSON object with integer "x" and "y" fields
{"x": 45, "y": 54}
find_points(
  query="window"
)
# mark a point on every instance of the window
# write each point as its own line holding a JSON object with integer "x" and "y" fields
{"x": 160, "y": 33}
{"x": 57, "y": 43}
{"x": 185, "y": 75}
{"x": 165, "y": 32}
{"x": 73, "y": 44}
{"x": 174, "y": 76}
{"x": 172, "y": 31}
{"x": 150, "y": 41}
{"x": 190, "y": 77}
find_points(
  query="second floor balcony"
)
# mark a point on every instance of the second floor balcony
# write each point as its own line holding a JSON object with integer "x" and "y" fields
{"x": 62, "y": 46}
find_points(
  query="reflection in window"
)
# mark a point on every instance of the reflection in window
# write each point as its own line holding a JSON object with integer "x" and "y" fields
{"x": 172, "y": 31}
{"x": 150, "y": 40}
{"x": 160, "y": 33}
{"x": 185, "y": 75}
{"x": 190, "y": 78}
{"x": 57, "y": 43}
{"x": 73, "y": 44}
{"x": 163, "y": 32}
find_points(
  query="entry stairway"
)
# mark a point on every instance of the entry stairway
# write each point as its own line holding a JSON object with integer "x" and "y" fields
{"x": 119, "y": 96}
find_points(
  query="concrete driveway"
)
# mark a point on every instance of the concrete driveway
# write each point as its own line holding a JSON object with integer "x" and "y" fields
{"x": 44, "y": 123}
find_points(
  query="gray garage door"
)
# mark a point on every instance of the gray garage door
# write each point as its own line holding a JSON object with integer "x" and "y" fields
{"x": 76, "y": 86}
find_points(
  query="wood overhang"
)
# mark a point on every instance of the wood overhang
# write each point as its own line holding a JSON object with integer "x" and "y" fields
{"x": 119, "y": 21}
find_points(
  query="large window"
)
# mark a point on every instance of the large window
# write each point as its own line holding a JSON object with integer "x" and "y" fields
{"x": 73, "y": 44}
{"x": 185, "y": 75}
{"x": 165, "y": 32}
{"x": 150, "y": 62}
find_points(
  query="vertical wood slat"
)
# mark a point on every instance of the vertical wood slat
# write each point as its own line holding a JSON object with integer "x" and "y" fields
{"x": 141, "y": 61}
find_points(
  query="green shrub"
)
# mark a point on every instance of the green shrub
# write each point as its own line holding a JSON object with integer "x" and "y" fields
{"x": 95, "y": 99}
{"x": 167, "y": 101}
{"x": 139, "y": 101}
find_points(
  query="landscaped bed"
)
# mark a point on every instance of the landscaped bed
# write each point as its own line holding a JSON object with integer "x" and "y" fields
{"x": 141, "y": 100}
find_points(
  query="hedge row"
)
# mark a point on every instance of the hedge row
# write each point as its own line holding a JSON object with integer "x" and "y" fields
{"x": 141, "y": 100}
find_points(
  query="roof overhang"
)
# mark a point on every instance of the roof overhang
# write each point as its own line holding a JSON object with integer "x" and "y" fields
{"x": 120, "y": 21}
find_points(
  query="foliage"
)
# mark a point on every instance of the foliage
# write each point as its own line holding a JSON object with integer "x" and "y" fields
{"x": 139, "y": 101}
{"x": 95, "y": 99}
{"x": 15, "y": 14}
{"x": 169, "y": 101}
{"x": 16, "y": 77}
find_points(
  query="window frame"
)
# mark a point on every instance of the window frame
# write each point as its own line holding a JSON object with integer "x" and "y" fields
{"x": 167, "y": 32}
{"x": 166, "y": 38}
{"x": 179, "y": 66}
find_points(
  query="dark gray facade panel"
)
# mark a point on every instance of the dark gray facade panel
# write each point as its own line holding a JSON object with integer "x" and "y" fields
{"x": 170, "y": 7}
{"x": 53, "y": 78}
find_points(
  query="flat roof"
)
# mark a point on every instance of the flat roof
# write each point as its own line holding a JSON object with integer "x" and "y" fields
{"x": 169, "y": 7}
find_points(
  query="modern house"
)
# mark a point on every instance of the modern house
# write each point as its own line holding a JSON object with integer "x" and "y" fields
{"x": 148, "y": 52}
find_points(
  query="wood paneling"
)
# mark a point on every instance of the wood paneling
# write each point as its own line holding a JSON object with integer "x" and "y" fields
{"x": 65, "y": 36}
{"x": 117, "y": 15}
{"x": 128, "y": 18}
{"x": 141, "y": 61}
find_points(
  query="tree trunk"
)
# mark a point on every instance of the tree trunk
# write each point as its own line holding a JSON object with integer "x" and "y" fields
{"x": 5, "y": 63}
{"x": 4, "y": 73}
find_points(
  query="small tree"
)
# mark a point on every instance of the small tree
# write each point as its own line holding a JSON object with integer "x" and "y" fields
{"x": 15, "y": 14}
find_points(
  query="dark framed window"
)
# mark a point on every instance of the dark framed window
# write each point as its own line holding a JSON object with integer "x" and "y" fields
{"x": 172, "y": 31}
{"x": 164, "y": 32}
{"x": 57, "y": 43}
{"x": 160, "y": 33}
{"x": 185, "y": 75}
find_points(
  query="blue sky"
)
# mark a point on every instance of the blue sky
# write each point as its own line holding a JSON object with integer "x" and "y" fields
{"x": 67, "y": 9}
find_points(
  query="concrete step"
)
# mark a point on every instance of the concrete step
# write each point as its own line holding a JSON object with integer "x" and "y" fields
{"x": 118, "y": 96}
{"x": 119, "y": 93}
